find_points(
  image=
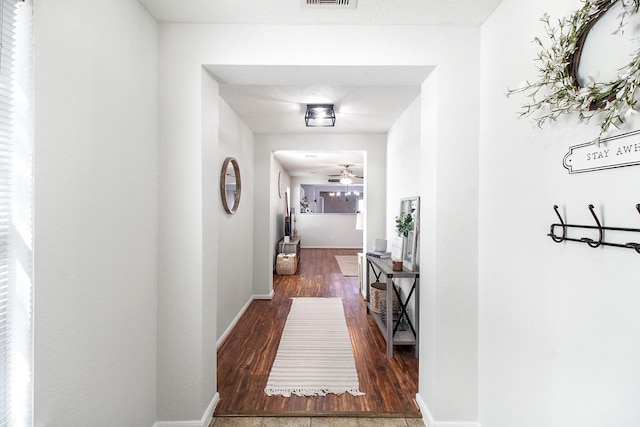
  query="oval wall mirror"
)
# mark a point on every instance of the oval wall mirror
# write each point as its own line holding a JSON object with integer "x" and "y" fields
{"x": 230, "y": 185}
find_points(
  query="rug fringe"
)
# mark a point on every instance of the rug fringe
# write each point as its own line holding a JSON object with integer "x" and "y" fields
{"x": 286, "y": 392}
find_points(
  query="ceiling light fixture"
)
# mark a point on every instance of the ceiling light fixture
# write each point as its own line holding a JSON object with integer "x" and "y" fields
{"x": 320, "y": 115}
{"x": 345, "y": 181}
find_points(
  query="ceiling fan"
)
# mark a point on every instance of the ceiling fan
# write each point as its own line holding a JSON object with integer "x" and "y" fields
{"x": 345, "y": 177}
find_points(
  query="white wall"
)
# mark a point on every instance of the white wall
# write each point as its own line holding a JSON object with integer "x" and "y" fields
{"x": 279, "y": 203}
{"x": 188, "y": 205}
{"x": 95, "y": 213}
{"x": 328, "y": 231}
{"x": 448, "y": 223}
{"x": 559, "y": 340}
{"x": 403, "y": 177}
{"x": 403, "y": 162}
{"x": 235, "y": 232}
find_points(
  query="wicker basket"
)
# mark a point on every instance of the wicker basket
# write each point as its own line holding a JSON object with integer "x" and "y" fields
{"x": 378, "y": 297}
{"x": 286, "y": 264}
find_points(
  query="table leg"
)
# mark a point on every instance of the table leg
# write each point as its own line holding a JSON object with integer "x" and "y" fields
{"x": 366, "y": 267}
{"x": 417, "y": 314}
{"x": 389, "y": 317}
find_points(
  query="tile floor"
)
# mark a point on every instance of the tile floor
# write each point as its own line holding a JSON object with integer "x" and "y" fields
{"x": 314, "y": 422}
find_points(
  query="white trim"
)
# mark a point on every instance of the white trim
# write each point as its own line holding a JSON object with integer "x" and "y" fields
{"x": 227, "y": 331}
{"x": 331, "y": 247}
{"x": 233, "y": 323}
{"x": 204, "y": 421}
{"x": 428, "y": 420}
{"x": 269, "y": 296}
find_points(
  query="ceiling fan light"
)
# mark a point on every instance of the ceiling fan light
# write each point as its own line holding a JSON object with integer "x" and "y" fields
{"x": 320, "y": 115}
{"x": 345, "y": 181}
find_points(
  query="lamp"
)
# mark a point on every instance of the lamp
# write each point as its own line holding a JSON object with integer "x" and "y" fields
{"x": 320, "y": 115}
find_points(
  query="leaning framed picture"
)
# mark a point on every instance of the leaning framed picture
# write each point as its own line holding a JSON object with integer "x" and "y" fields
{"x": 410, "y": 219}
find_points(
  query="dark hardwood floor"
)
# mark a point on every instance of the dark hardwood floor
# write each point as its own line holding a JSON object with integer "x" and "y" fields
{"x": 245, "y": 358}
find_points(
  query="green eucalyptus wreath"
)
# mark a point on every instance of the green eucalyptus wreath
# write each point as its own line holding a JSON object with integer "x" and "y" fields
{"x": 558, "y": 66}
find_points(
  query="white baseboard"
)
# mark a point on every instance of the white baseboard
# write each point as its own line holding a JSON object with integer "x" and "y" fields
{"x": 332, "y": 247}
{"x": 235, "y": 320}
{"x": 269, "y": 296}
{"x": 227, "y": 331}
{"x": 204, "y": 421}
{"x": 428, "y": 420}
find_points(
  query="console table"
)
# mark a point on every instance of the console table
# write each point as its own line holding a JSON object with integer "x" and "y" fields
{"x": 383, "y": 267}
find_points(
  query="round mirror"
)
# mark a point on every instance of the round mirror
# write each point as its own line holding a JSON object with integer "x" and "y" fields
{"x": 230, "y": 185}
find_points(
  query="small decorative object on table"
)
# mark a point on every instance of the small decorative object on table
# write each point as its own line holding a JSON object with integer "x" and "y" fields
{"x": 397, "y": 250}
{"x": 379, "y": 245}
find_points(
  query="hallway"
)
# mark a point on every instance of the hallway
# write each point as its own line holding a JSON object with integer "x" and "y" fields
{"x": 245, "y": 358}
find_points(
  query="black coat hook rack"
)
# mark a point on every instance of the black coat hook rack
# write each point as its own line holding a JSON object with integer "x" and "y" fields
{"x": 598, "y": 226}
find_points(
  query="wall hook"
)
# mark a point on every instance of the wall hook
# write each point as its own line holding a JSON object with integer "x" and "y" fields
{"x": 589, "y": 241}
{"x": 601, "y": 229}
{"x": 564, "y": 228}
{"x": 635, "y": 246}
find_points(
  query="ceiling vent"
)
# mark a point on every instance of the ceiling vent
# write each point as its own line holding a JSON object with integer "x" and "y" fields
{"x": 342, "y": 4}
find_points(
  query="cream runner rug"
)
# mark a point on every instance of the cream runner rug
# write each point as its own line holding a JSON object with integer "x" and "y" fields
{"x": 315, "y": 356}
{"x": 348, "y": 264}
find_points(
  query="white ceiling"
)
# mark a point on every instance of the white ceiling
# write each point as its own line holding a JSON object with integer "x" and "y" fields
{"x": 367, "y": 12}
{"x": 272, "y": 99}
{"x": 319, "y": 166}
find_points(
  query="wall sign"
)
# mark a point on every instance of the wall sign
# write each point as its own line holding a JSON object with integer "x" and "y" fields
{"x": 612, "y": 152}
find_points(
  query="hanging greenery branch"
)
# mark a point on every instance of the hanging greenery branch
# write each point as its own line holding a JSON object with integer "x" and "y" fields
{"x": 558, "y": 91}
